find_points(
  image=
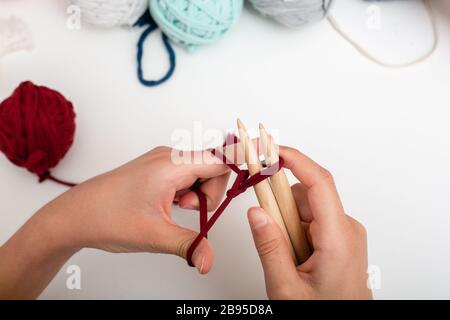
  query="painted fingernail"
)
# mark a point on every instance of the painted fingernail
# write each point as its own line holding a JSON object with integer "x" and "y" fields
{"x": 257, "y": 218}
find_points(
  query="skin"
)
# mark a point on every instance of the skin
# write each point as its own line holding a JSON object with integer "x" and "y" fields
{"x": 129, "y": 210}
{"x": 337, "y": 269}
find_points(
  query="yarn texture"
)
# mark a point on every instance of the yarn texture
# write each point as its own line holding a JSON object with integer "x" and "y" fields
{"x": 111, "y": 13}
{"x": 37, "y": 128}
{"x": 193, "y": 23}
{"x": 293, "y": 13}
{"x": 15, "y": 35}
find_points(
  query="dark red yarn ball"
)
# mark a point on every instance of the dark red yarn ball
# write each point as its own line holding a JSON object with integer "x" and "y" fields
{"x": 37, "y": 128}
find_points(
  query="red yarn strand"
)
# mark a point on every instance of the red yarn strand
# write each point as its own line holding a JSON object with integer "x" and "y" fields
{"x": 49, "y": 176}
{"x": 242, "y": 182}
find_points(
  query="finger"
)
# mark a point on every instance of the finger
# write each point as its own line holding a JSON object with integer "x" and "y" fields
{"x": 179, "y": 194}
{"x": 179, "y": 239}
{"x": 308, "y": 233}
{"x": 326, "y": 207}
{"x": 214, "y": 190}
{"x": 200, "y": 164}
{"x": 235, "y": 152}
{"x": 204, "y": 164}
{"x": 301, "y": 198}
{"x": 279, "y": 270}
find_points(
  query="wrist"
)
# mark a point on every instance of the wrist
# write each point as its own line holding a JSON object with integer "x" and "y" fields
{"x": 31, "y": 258}
{"x": 40, "y": 239}
{"x": 54, "y": 229}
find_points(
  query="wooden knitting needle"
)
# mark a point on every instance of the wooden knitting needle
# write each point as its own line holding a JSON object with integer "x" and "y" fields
{"x": 263, "y": 190}
{"x": 285, "y": 199}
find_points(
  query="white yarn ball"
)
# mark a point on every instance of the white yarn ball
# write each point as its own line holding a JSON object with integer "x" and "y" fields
{"x": 111, "y": 13}
{"x": 293, "y": 13}
{"x": 15, "y": 35}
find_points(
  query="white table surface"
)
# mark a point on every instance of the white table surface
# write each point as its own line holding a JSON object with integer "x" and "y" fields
{"x": 383, "y": 133}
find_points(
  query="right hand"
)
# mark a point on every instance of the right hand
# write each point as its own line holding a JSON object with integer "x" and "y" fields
{"x": 337, "y": 269}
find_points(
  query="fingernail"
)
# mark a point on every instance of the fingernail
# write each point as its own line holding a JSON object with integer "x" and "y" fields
{"x": 187, "y": 206}
{"x": 257, "y": 218}
{"x": 199, "y": 261}
{"x": 202, "y": 264}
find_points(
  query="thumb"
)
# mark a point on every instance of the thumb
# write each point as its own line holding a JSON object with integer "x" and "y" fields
{"x": 279, "y": 269}
{"x": 179, "y": 241}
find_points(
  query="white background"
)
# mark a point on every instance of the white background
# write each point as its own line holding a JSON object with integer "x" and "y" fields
{"x": 383, "y": 133}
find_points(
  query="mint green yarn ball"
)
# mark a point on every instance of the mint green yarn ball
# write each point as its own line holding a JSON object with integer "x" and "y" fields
{"x": 193, "y": 23}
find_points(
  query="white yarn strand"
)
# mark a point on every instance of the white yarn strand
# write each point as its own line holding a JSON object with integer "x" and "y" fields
{"x": 374, "y": 59}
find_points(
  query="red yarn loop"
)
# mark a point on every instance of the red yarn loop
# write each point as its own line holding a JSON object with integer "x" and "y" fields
{"x": 241, "y": 184}
{"x": 37, "y": 129}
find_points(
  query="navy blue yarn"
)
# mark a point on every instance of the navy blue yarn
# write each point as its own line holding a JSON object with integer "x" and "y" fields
{"x": 147, "y": 20}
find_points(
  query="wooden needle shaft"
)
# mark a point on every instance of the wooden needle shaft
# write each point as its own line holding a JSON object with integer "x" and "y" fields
{"x": 263, "y": 190}
{"x": 285, "y": 199}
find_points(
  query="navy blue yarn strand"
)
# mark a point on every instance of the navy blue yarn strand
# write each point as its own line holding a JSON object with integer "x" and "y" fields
{"x": 146, "y": 19}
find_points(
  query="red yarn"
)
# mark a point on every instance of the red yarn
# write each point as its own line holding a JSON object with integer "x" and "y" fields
{"x": 37, "y": 128}
{"x": 241, "y": 184}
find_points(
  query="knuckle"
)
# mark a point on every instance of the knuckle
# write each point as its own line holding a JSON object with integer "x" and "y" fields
{"x": 358, "y": 227}
{"x": 326, "y": 175}
{"x": 292, "y": 150}
{"x": 159, "y": 153}
{"x": 362, "y": 231}
{"x": 160, "y": 149}
{"x": 183, "y": 247}
{"x": 268, "y": 246}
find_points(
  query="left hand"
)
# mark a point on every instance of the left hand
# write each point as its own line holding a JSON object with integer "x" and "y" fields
{"x": 129, "y": 209}
{"x": 125, "y": 210}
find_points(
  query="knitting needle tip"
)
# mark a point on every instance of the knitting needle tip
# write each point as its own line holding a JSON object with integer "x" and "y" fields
{"x": 241, "y": 125}
{"x": 270, "y": 151}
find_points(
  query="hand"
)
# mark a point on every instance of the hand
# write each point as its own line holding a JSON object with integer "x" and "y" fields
{"x": 125, "y": 210}
{"x": 337, "y": 268}
{"x": 129, "y": 209}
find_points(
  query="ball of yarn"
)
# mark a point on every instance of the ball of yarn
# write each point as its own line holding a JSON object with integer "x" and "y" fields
{"x": 293, "y": 13}
{"x": 37, "y": 128}
{"x": 192, "y": 23}
{"x": 111, "y": 13}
